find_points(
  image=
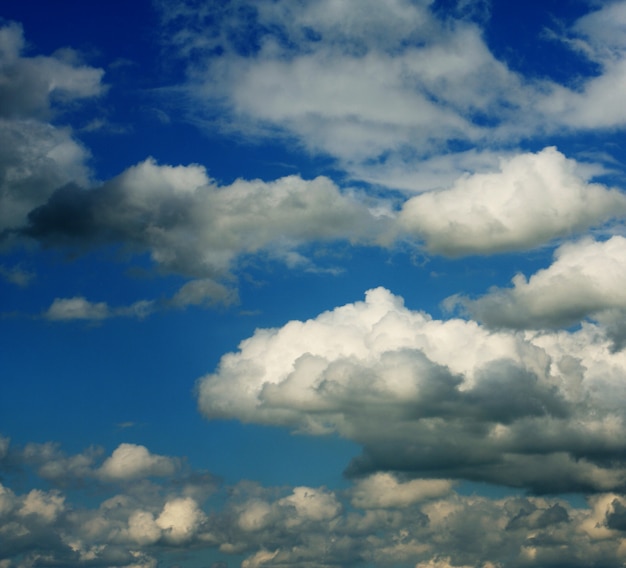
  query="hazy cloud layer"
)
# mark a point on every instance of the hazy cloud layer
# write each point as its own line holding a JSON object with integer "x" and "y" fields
{"x": 381, "y": 519}
{"x": 436, "y": 398}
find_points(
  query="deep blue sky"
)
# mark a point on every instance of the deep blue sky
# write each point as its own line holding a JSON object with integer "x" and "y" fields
{"x": 314, "y": 283}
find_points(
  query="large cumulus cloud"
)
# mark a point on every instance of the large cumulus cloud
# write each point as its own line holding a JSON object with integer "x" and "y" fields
{"x": 447, "y": 399}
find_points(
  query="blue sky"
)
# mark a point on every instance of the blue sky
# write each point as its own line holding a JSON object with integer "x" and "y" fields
{"x": 312, "y": 283}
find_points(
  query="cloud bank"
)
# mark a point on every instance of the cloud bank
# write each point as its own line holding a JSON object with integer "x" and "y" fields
{"x": 447, "y": 399}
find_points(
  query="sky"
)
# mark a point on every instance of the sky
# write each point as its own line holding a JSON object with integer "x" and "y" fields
{"x": 313, "y": 283}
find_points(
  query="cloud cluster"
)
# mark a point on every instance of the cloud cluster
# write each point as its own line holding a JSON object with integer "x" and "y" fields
{"x": 333, "y": 76}
{"x": 381, "y": 519}
{"x": 448, "y": 399}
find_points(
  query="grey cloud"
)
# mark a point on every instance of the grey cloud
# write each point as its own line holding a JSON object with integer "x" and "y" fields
{"x": 194, "y": 227}
{"x": 28, "y": 85}
{"x": 584, "y": 280}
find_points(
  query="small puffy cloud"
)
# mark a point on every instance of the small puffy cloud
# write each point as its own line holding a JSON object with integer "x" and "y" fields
{"x": 204, "y": 291}
{"x": 310, "y": 504}
{"x": 45, "y": 505}
{"x": 383, "y": 491}
{"x": 16, "y": 275}
{"x": 131, "y": 461}
{"x": 586, "y": 279}
{"x": 533, "y": 199}
{"x": 77, "y": 308}
{"x": 445, "y": 399}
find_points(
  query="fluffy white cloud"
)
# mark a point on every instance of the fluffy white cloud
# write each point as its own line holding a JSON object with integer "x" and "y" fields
{"x": 586, "y": 278}
{"x": 532, "y": 199}
{"x": 429, "y": 397}
{"x": 596, "y": 102}
{"x": 76, "y": 308}
{"x": 384, "y": 491}
{"x": 131, "y": 461}
{"x": 382, "y": 88}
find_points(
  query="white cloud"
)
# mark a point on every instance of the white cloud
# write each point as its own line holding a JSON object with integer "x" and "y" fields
{"x": 180, "y": 520}
{"x": 586, "y": 278}
{"x": 77, "y": 308}
{"x": 16, "y": 275}
{"x": 534, "y": 198}
{"x": 131, "y": 461}
{"x": 427, "y": 396}
{"x": 192, "y": 226}
{"x": 29, "y": 85}
{"x": 35, "y": 157}
{"x": 596, "y": 103}
{"x": 383, "y": 490}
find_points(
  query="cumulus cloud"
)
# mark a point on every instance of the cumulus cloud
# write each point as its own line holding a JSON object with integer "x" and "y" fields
{"x": 585, "y": 280}
{"x": 384, "y": 491}
{"x": 446, "y": 399}
{"x": 534, "y": 198}
{"x": 192, "y": 226}
{"x": 131, "y": 461}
